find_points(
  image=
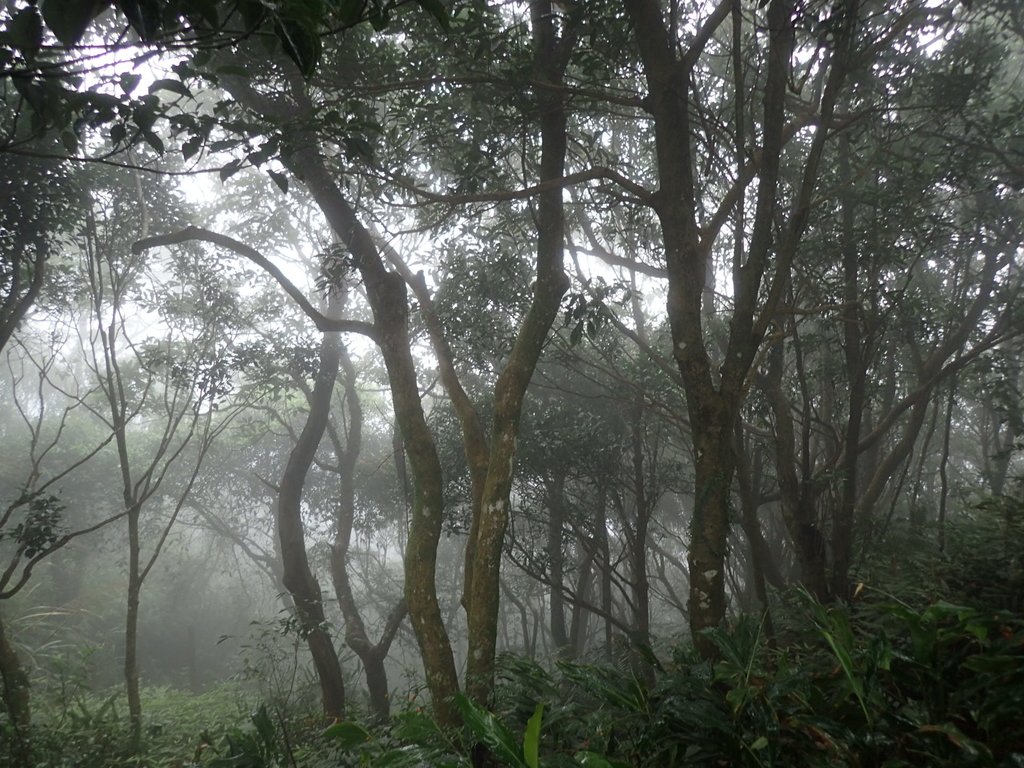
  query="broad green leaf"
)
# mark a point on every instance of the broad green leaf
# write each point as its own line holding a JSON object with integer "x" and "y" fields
{"x": 190, "y": 147}
{"x": 204, "y": 9}
{"x": 348, "y": 735}
{"x": 145, "y": 16}
{"x": 230, "y": 169}
{"x": 25, "y": 31}
{"x": 531, "y": 738}
{"x": 169, "y": 84}
{"x": 301, "y": 43}
{"x": 68, "y": 19}
{"x": 264, "y": 726}
{"x": 70, "y": 141}
{"x": 154, "y": 141}
{"x": 491, "y": 732}
{"x": 129, "y": 81}
{"x": 280, "y": 180}
{"x": 32, "y": 92}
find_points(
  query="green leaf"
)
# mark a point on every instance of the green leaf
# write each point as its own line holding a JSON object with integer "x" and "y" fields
{"x": 205, "y": 9}
{"x": 358, "y": 147}
{"x": 347, "y": 735}
{"x": 280, "y": 180}
{"x": 253, "y": 13}
{"x": 25, "y": 31}
{"x": 531, "y": 738}
{"x": 154, "y": 141}
{"x": 32, "y": 92}
{"x": 68, "y": 19}
{"x": 230, "y": 169}
{"x": 301, "y": 43}
{"x": 576, "y": 335}
{"x": 190, "y": 147}
{"x": 143, "y": 15}
{"x": 169, "y": 84}
{"x": 70, "y": 141}
{"x": 129, "y": 82}
{"x": 351, "y": 12}
{"x": 264, "y": 726}
{"x": 380, "y": 20}
{"x": 491, "y": 732}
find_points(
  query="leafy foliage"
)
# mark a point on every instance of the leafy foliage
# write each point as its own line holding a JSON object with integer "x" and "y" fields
{"x": 877, "y": 683}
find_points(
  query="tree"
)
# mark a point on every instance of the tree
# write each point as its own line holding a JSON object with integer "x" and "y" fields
{"x": 715, "y": 394}
{"x": 40, "y": 198}
{"x": 177, "y": 380}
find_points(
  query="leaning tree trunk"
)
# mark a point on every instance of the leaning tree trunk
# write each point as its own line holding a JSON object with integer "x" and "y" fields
{"x": 298, "y": 577}
{"x": 387, "y": 295}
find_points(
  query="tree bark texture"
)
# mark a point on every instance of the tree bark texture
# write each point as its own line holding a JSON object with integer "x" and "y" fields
{"x": 386, "y": 292}
{"x": 714, "y": 397}
{"x": 372, "y": 655}
{"x": 551, "y": 54}
{"x": 298, "y": 577}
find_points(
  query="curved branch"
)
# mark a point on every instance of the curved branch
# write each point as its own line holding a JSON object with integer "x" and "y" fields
{"x": 323, "y": 322}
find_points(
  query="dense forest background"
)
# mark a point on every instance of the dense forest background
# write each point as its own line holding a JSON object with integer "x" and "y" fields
{"x": 605, "y": 383}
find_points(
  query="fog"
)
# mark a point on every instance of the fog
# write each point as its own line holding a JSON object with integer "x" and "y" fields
{"x": 511, "y": 384}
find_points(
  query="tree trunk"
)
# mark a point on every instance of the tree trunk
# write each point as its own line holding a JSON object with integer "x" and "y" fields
{"x": 765, "y": 569}
{"x": 715, "y": 393}
{"x": 556, "y": 560}
{"x": 131, "y": 636}
{"x": 16, "y": 699}
{"x": 944, "y": 464}
{"x": 856, "y": 377}
{"x": 372, "y": 656}
{"x": 551, "y": 53}
{"x": 638, "y": 545}
{"x": 298, "y": 577}
{"x": 796, "y": 499}
{"x": 388, "y": 300}
{"x": 709, "y": 529}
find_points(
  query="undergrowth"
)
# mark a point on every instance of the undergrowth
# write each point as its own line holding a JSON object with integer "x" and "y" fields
{"x": 928, "y": 671}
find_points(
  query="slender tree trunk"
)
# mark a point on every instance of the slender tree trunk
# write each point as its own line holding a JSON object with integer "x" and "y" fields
{"x": 944, "y": 462}
{"x": 796, "y": 501}
{"x": 604, "y": 564}
{"x": 131, "y": 634}
{"x": 371, "y": 655}
{"x": 387, "y": 295}
{"x": 551, "y": 54}
{"x": 16, "y": 699}
{"x": 580, "y": 613}
{"x": 765, "y": 569}
{"x": 641, "y": 587}
{"x": 298, "y": 576}
{"x": 556, "y": 560}
{"x": 856, "y": 376}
